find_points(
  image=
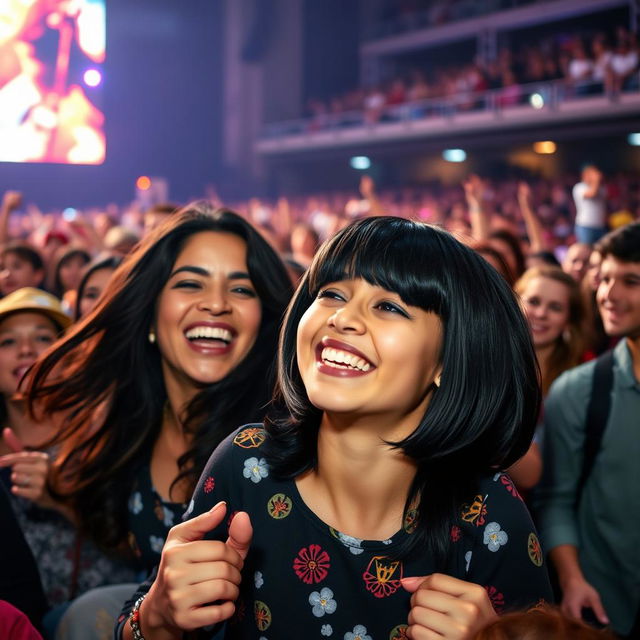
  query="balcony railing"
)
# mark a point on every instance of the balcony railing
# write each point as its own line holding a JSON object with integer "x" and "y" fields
{"x": 538, "y": 102}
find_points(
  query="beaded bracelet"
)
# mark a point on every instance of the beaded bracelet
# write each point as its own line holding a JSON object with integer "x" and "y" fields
{"x": 134, "y": 619}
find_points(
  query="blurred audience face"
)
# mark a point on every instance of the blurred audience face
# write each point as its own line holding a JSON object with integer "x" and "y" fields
{"x": 16, "y": 272}
{"x": 23, "y": 337}
{"x": 153, "y": 219}
{"x": 70, "y": 272}
{"x": 576, "y": 261}
{"x": 506, "y": 252}
{"x": 618, "y": 297}
{"x": 592, "y": 275}
{"x": 304, "y": 243}
{"x": 93, "y": 290}
{"x": 546, "y": 305}
{"x": 590, "y": 174}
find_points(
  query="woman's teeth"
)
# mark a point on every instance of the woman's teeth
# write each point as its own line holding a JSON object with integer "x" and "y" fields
{"x": 209, "y": 333}
{"x": 343, "y": 360}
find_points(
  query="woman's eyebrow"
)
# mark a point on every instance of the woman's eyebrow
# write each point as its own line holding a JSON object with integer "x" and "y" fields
{"x": 191, "y": 269}
{"x": 234, "y": 275}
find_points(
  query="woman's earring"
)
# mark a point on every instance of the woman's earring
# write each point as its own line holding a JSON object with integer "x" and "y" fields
{"x": 152, "y": 336}
{"x": 566, "y": 335}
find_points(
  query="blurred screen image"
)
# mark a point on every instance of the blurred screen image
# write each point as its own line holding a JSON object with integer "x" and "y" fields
{"x": 52, "y": 54}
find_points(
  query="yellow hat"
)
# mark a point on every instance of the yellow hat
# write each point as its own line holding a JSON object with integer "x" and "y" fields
{"x": 620, "y": 218}
{"x": 31, "y": 299}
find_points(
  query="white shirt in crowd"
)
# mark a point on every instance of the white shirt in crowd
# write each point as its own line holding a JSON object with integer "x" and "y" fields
{"x": 590, "y": 212}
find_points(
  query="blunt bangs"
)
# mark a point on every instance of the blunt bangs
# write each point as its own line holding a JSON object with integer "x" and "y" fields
{"x": 401, "y": 256}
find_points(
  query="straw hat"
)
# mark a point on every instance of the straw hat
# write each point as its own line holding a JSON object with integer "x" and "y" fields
{"x": 31, "y": 299}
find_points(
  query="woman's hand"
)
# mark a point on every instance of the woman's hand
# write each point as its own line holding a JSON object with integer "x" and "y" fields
{"x": 198, "y": 580}
{"x": 445, "y": 607}
{"x": 29, "y": 470}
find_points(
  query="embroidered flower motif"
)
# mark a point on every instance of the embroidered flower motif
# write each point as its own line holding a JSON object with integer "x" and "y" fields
{"x": 467, "y": 560}
{"x": 250, "y": 438}
{"x": 135, "y": 503}
{"x": 312, "y": 564}
{"x": 326, "y": 630}
{"x": 494, "y": 537}
{"x": 258, "y": 579}
{"x": 262, "y": 615}
{"x": 133, "y": 544}
{"x": 322, "y": 602}
{"x": 279, "y": 506}
{"x": 410, "y": 521}
{"x": 209, "y": 485}
{"x": 534, "y": 549}
{"x": 387, "y": 541}
{"x": 359, "y": 633}
{"x": 353, "y": 544}
{"x": 255, "y": 469}
{"x": 399, "y": 632}
{"x": 168, "y": 517}
{"x": 476, "y": 511}
{"x": 509, "y": 486}
{"x": 156, "y": 543}
{"x": 382, "y": 576}
{"x": 497, "y": 598}
{"x": 456, "y": 533}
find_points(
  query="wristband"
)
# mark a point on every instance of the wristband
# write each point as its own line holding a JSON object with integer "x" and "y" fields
{"x": 134, "y": 619}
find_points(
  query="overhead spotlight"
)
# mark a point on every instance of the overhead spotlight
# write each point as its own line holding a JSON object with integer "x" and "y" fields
{"x": 544, "y": 147}
{"x": 536, "y": 100}
{"x": 634, "y": 139}
{"x": 454, "y": 155}
{"x": 143, "y": 183}
{"x": 361, "y": 163}
{"x": 92, "y": 77}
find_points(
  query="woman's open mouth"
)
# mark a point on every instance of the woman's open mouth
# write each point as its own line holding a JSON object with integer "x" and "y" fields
{"x": 210, "y": 337}
{"x": 340, "y": 359}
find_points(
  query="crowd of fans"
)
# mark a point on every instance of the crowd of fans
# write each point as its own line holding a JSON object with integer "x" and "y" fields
{"x": 605, "y": 62}
{"x": 106, "y": 432}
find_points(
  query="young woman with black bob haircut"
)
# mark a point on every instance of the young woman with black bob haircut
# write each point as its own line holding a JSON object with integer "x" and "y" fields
{"x": 371, "y": 505}
{"x": 178, "y": 351}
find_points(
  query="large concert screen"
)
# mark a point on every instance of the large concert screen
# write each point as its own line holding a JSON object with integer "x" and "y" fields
{"x": 52, "y": 56}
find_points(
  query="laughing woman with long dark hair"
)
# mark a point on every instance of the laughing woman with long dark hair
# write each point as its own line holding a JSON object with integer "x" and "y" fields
{"x": 179, "y": 350}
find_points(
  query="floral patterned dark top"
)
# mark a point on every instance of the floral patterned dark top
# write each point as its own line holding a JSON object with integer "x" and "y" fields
{"x": 304, "y": 579}
{"x": 150, "y": 518}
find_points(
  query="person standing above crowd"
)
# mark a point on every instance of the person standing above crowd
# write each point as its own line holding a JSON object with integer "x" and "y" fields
{"x": 591, "y": 206}
{"x": 588, "y": 497}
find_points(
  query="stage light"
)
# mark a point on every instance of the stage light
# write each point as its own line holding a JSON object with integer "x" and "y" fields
{"x": 361, "y": 163}
{"x": 544, "y": 147}
{"x": 634, "y": 139}
{"x": 454, "y": 155}
{"x": 92, "y": 77}
{"x": 143, "y": 183}
{"x": 536, "y": 100}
